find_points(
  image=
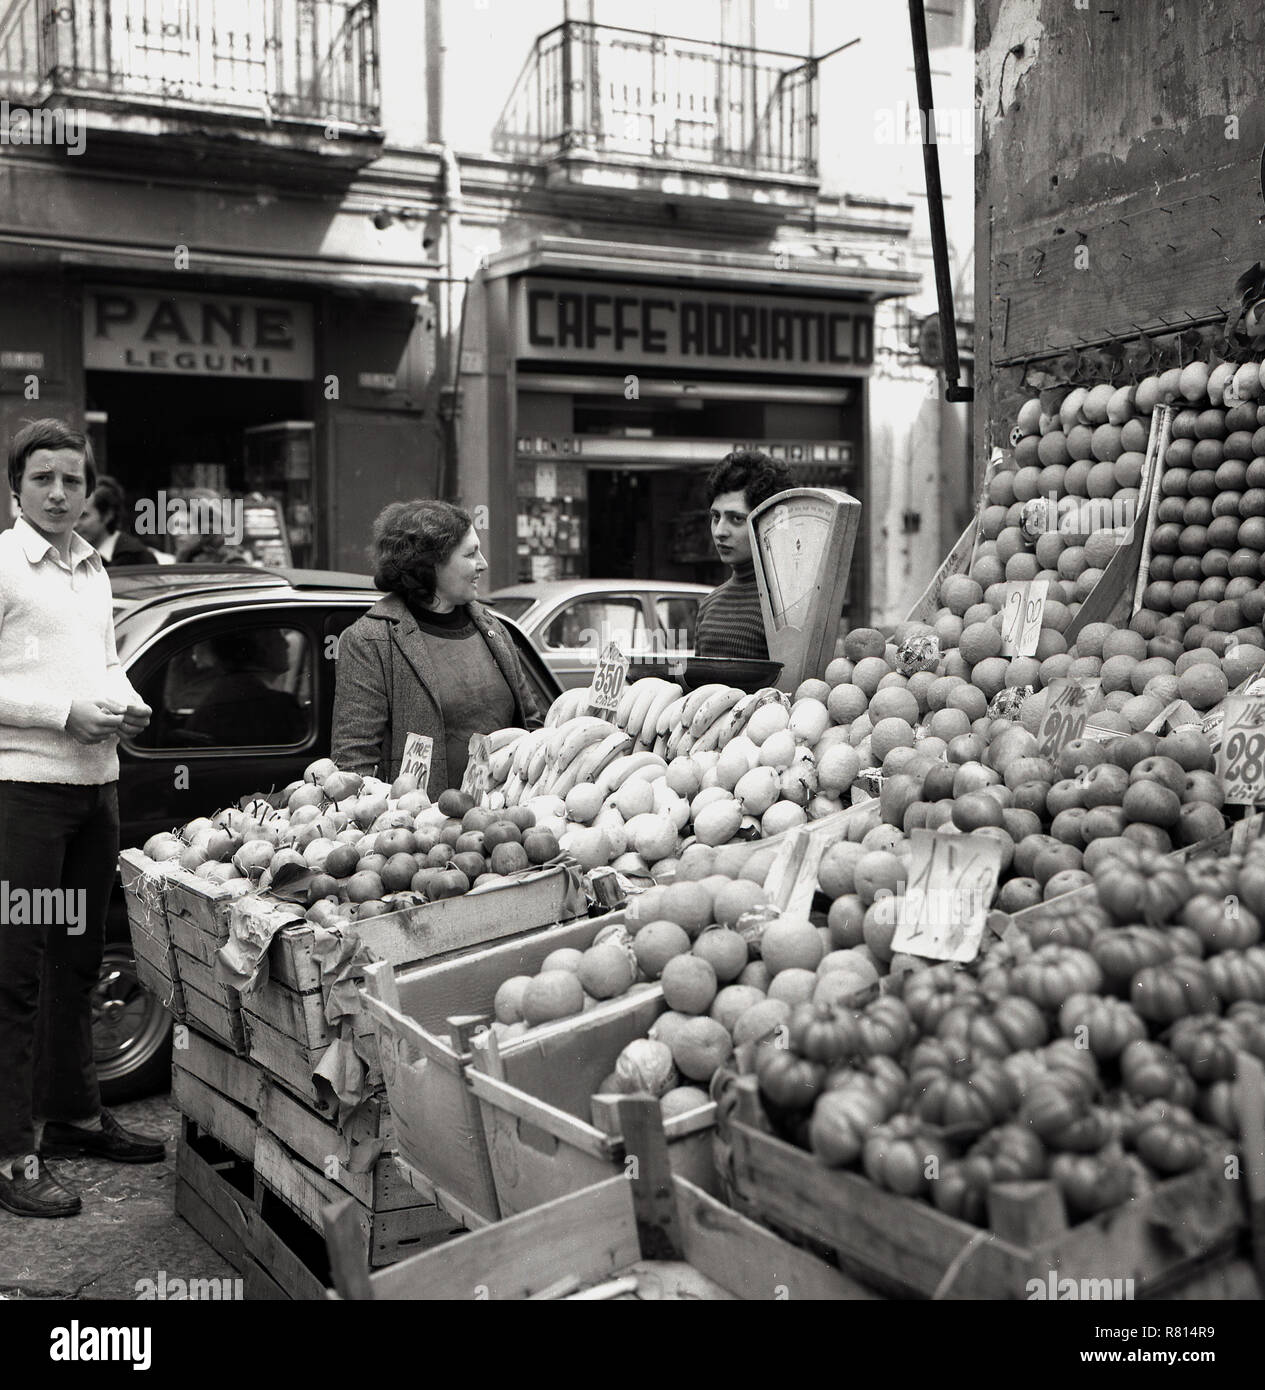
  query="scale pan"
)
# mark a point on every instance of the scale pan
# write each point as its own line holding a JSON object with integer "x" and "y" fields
{"x": 730, "y": 670}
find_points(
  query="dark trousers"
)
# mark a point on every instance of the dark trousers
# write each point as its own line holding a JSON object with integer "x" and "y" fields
{"x": 62, "y": 837}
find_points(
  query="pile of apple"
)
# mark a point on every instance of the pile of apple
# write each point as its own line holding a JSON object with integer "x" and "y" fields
{"x": 1097, "y": 1048}
{"x": 358, "y": 847}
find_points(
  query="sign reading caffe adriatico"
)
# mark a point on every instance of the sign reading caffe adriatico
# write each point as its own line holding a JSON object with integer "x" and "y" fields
{"x": 640, "y": 325}
{"x": 132, "y": 330}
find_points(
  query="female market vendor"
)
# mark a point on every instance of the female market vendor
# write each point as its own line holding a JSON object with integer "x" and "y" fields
{"x": 730, "y": 623}
{"x": 428, "y": 659}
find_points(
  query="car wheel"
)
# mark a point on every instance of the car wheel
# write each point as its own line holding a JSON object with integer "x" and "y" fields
{"x": 131, "y": 1031}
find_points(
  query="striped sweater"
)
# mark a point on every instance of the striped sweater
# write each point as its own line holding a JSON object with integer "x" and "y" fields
{"x": 730, "y": 622}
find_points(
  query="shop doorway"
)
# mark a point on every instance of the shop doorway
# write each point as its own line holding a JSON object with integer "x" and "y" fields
{"x": 169, "y": 434}
{"x": 651, "y": 523}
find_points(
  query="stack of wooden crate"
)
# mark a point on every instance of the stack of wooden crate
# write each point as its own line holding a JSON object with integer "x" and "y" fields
{"x": 262, "y": 1149}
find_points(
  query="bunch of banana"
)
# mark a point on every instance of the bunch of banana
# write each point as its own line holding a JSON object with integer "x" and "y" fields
{"x": 620, "y": 769}
{"x": 569, "y": 704}
{"x": 641, "y": 706}
{"x": 686, "y": 722}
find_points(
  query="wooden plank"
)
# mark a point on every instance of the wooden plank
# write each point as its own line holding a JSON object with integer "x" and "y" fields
{"x": 317, "y": 1140}
{"x": 238, "y": 1224}
{"x": 750, "y": 1261}
{"x": 214, "y": 1113}
{"x": 385, "y": 1236}
{"x": 298, "y": 1016}
{"x": 207, "y": 1003}
{"x": 653, "y": 1192}
{"x": 1026, "y": 1213}
{"x": 445, "y": 1201}
{"x": 908, "y": 1247}
{"x": 166, "y": 990}
{"x": 897, "y": 1246}
{"x": 222, "y": 1070}
{"x": 590, "y": 1234}
{"x": 342, "y": 1239}
{"x": 282, "y": 1059}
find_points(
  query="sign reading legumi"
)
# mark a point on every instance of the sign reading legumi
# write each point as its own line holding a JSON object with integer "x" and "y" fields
{"x": 126, "y": 329}
{"x": 641, "y": 325}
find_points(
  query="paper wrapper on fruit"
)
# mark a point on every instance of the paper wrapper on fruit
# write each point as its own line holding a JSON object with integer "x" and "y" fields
{"x": 918, "y": 653}
{"x": 1006, "y": 703}
{"x": 1034, "y": 518}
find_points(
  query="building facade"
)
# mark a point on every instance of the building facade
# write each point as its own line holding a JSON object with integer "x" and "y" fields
{"x": 548, "y": 259}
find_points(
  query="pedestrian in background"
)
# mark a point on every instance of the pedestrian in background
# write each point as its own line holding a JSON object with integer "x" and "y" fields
{"x": 100, "y": 527}
{"x": 63, "y": 702}
{"x": 730, "y": 620}
{"x": 428, "y": 659}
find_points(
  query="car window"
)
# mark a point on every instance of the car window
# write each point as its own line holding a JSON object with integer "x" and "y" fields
{"x": 237, "y": 687}
{"x": 677, "y": 616}
{"x": 593, "y": 622}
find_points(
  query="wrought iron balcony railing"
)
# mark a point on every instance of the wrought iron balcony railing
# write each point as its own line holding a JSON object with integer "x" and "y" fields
{"x": 307, "y": 60}
{"x": 590, "y": 88}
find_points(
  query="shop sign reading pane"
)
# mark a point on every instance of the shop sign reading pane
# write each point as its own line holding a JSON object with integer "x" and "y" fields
{"x": 126, "y": 329}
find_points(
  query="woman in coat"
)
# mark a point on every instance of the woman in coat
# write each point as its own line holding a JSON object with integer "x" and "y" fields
{"x": 428, "y": 659}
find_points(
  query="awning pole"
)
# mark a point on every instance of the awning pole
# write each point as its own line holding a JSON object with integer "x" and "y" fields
{"x": 953, "y": 391}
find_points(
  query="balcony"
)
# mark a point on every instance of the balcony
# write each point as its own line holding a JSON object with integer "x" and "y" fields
{"x": 619, "y": 109}
{"x": 285, "y": 63}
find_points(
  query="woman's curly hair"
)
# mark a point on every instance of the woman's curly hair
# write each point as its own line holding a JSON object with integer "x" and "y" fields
{"x": 751, "y": 472}
{"x": 410, "y": 539}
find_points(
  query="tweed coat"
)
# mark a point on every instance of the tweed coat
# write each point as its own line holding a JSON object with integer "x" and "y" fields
{"x": 387, "y": 687}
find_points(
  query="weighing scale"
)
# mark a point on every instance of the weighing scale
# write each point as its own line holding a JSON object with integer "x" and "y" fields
{"x": 802, "y": 543}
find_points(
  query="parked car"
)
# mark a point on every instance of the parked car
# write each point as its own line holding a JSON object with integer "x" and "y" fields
{"x": 570, "y": 620}
{"x": 170, "y": 622}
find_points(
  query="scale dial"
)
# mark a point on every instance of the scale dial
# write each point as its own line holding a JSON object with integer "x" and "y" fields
{"x": 793, "y": 539}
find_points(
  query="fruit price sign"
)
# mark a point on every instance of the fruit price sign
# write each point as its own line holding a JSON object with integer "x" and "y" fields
{"x": 608, "y": 682}
{"x": 952, "y": 879}
{"x": 478, "y": 775}
{"x": 416, "y": 760}
{"x": 1241, "y": 757}
{"x": 1070, "y": 702}
{"x": 1021, "y": 616}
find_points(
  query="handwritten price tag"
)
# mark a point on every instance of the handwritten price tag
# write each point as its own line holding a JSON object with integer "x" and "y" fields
{"x": 418, "y": 749}
{"x": 1241, "y": 757}
{"x": 608, "y": 681}
{"x": 1066, "y": 711}
{"x": 952, "y": 879}
{"x": 1021, "y": 616}
{"x": 478, "y": 775}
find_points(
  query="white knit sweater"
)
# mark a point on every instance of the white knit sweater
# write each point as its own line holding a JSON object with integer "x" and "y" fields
{"x": 56, "y": 646}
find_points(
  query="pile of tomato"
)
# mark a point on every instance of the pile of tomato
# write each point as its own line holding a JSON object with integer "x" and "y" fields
{"x": 1094, "y": 1044}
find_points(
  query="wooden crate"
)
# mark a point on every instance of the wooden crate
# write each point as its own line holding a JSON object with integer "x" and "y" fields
{"x": 908, "y": 1248}
{"x": 383, "y": 1236}
{"x": 424, "y": 1017}
{"x": 657, "y": 1229}
{"x": 537, "y": 1098}
{"x": 198, "y": 920}
{"x": 215, "y": 1194}
{"x": 144, "y": 891}
{"x": 284, "y": 1018}
{"x": 219, "y": 1091}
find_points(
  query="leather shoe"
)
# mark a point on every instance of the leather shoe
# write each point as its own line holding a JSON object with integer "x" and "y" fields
{"x": 111, "y": 1141}
{"x": 38, "y": 1196}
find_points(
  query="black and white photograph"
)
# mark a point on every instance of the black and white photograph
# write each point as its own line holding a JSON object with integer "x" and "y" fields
{"x": 632, "y": 668}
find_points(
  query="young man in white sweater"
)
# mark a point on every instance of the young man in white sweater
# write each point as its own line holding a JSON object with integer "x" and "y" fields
{"x": 63, "y": 701}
